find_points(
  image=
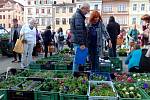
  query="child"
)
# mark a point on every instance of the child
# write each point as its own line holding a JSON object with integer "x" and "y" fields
{"x": 81, "y": 55}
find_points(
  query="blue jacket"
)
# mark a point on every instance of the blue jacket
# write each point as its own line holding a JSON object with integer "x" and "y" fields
{"x": 133, "y": 59}
{"x": 81, "y": 55}
{"x": 78, "y": 28}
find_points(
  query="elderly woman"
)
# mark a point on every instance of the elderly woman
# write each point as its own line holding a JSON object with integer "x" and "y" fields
{"x": 146, "y": 32}
{"x": 28, "y": 33}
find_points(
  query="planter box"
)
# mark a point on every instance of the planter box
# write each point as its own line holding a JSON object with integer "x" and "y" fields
{"x": 73, "y": 97}
{"x": 100, "y": 76}
{"x": 100, "y": 97}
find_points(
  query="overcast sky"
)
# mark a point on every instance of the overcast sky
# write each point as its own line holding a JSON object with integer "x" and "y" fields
{"x": 20, "y": 1}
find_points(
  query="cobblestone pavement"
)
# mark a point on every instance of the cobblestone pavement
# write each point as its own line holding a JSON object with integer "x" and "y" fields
{"x": 6, "y": 62}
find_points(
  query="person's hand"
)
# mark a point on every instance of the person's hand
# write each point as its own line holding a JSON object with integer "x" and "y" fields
{"x": 109, "y": 44}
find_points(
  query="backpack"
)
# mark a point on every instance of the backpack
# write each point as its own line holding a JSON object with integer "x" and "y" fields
{"x": 61, "y": 37}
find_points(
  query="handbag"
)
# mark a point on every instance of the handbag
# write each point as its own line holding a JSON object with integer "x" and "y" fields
{"x": 19, "y": 48}
{"x": 51, "y": 48}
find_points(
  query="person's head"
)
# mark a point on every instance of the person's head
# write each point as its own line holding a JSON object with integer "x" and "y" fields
{"x": 48, "y": 27}
{"x": 111, "y": 19}
{"x": 146, "y": 18}
{"x": 15, "y": 22}
{"x": 33, "y": 22}
{"x": 85, "y": 8}
{"x": 137, "y": 46}
{"x": 82, "y": 46}
{"x": 60, "y": 30}
{"x": 95, "y": 17}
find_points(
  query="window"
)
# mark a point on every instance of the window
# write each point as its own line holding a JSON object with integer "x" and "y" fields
{"x": 96, "y": 7}
{"x": 149, "y": 7}
{"x": 122, "y": 20}
{"x": 42, "y": 10}
{"x": 133, "y": 20}
{"x": 9, "y": 25}
{"x": 38, "y": 20}
{"x": 0, "y": 16}
{"x": 122, "y": 7}
{"x": 43, "y": 21}
{"x": 4, "y": 25}
{"x": 134, "y": 7}
{"x": 79, "y": 6}
{"x": 45, "y": 1}
{"x": 70, "y": 9}
{"x": 64, "y": 10}
{"x": 142, "y": 7}
{"x": 8, "y": 16}
{"x": 19, "y": 17}
{"x": 64, "y": 21}
{"x": 3, "y": 16}
{"x": 29, "y": 11}
{"x": 29, "y": 3}
{"x": 35, "y": 2}
{"x": 69, "y": 20}
{"x": 37, "y": 11}
{"x": 107, "y": 8}
{"x": 57, "y": 21}
{"x": 48, "y": 11}
{"x": 57, "y": 9}
{"x": 40, "y": 2}
{"x": 48, "y": 21}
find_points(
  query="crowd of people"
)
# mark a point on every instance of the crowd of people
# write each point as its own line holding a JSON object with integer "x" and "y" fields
{"x": 86, "y": 39}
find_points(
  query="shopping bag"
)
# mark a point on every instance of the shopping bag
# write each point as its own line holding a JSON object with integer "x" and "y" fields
{"x": 51, "y": 48}
{"x": 18, "y": 46}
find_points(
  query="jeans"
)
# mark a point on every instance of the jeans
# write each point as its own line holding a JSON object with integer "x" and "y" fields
{"x": 94, "y": 58}
{"x": 112, "y": 51}
{"x": 27, "y": 55}
{"x": 60, "y": 46}
{"x": 75, "y": 66}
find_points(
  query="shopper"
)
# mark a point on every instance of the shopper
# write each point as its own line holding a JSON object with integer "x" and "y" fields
{"x": 28, "y": 33}
{"x": 37, "y": 47}
{"x": 96, "y": 32}
{"x": 56, "y": 42}
{"x": 113, "y": 28}
{"x": 47, "y": 40}
{"x": 78, "y": 28}
{"x": 15, "y": 31}
{"x": 133, "y": 36}
{"x": 133, "y": 59}
{"x": 60, "y": 39}
{"x": 146, "y": 33}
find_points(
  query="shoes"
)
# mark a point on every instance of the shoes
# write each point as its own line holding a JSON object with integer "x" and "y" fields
{"x": 14, "y": 61}
{"x": 19, "y": 61}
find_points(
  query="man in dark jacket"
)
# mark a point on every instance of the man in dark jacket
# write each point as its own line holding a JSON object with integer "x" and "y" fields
{"x": 47, "y": 38}
{"x": 78, "y": 28}
{"x": 113, "y": 28}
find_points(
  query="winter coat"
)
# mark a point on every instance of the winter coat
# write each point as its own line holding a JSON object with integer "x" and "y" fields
{"x": 78, "y": 27}
{"x": 113, "y": 29}
{"x": 47, "y": 36}
{"x": 101, "y": 32}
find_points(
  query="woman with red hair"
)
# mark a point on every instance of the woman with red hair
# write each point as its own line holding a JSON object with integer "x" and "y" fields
{"x": 96, "y": 32}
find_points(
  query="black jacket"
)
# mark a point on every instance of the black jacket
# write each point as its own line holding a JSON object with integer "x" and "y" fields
{"x": 78, "y": 28}
{"x": 113, "y": 28}
{"x": 47, "y": 36}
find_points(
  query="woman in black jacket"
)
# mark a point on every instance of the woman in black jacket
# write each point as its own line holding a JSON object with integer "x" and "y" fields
{"x": 113, "y": 28}
{"x": 47, "y": 38}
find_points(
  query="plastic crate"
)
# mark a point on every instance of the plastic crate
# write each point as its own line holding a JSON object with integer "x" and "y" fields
{"x": 60, "y": 67}
{"x": 102, "y": 76}
{"x": 73, "y": 97}
{"x": 104, "y": 68}
{"x": 46, "y": 95}
{"x": 143, "y": 95}
{"x": 102, "y": 97}
{"x": 3, "y": 95}
{"x": 20, "y": 95}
